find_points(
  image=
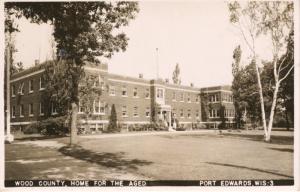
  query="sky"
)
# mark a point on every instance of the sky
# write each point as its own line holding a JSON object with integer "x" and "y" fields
{"x": 195, "y": 34}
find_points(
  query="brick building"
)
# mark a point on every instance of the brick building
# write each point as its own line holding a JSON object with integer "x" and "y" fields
{"x": 137, "y": 101}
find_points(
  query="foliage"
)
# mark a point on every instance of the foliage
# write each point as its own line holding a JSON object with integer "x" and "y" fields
{"x": 112, "y": 126}
{"x": 273, "y": 20}
{"x": 83, "y": 31}
{"x": 223, "y": 119}
{"x": 176, "y": 75}
{"x": 50, "y": 126}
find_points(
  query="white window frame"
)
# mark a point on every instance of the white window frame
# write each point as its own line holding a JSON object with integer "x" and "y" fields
{"x": 13, "y": 111}
{"x": 124, "y": 109}
{"x": 189, "y": 115}
{"x": 124, "y": 88}
{"x": 41, "y": 106}
{"x": 13, "y": 90}
{"x": 53, "y": 109}
{"x": 147, "y": 113}
{"x": 21, "y": 110}
{"x": 147, "y": 93}
{"x": 189, "y": 98}
{"x": 174, "y": 96}
{"x": 135, "y": 111}
{"x": 160, "y": 93}
{"x": 100, "y": 106}
{"x": 79, "y": 108}
{"x": 135, "y": 91}
{"x": 21, "y": 89}
{"x": 181, "y": 97}
{"x": 30, "y": 109}
{"x": 41, "y": 82}
{"x": 30, "y": 84}
{"x": 112, "y": 90}
{"x": 181, "y": 113}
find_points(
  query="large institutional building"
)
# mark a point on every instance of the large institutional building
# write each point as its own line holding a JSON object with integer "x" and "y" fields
{"x": 137, "y": 101}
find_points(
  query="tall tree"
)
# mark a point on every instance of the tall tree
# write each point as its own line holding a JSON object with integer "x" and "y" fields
{"x": 112, "y": 126}
{"x": 272, "y": 19}
{"x": 83, "y": 31}
{"x": 176, "y": 75}
{"x": 236, "y": 85}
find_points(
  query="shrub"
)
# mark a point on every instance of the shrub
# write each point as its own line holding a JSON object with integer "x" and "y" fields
{"x": 50, "y": 126}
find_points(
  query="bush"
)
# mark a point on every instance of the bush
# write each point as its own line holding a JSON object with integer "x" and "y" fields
{"x": 50, "y": 126}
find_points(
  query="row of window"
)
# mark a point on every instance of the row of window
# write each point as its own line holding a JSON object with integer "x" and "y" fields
{"x": 181, "y": 113}
{"x": 21, "y": 89}
{"x": 31, "y": 110}
{"x": 216, "y": 98}
{"x": 215, "y": 113}
{"x": 159, "y": 94}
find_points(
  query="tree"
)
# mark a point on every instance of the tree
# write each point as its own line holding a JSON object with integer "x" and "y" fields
{"x": 273, "y": 19}
{"x": 236, "y": 86}
{"x": 176, "y": 75}
{"x": 112, "y": 126}
{"x": 222, "y": 118}
{"x": 83, "y": 31}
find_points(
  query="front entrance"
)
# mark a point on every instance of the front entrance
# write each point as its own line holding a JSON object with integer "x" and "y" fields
{"x": 164, "y": 114}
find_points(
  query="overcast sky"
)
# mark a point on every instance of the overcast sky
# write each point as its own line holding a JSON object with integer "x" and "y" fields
{"x": 197, "y": 35}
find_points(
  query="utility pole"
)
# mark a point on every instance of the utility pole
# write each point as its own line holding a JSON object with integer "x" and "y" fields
{"x": 8, "y": 137}
{"x": 157, "y": 65}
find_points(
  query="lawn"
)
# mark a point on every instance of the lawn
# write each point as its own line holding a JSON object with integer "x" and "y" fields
{"x": 166, "y": 156}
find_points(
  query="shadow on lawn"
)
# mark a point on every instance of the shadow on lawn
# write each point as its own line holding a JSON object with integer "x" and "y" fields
{"x": 249, "y": 168}
{"x": 110, "y": 160}
{"x": 282, "y": 149}
{"x": 275, "y": 139}
{"x": 36, "y": 138}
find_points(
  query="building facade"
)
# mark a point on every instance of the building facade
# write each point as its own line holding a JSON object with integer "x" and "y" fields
{"x": 137, "y": 101}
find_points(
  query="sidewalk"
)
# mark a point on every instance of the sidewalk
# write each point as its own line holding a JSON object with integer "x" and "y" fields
{"x": 130, "y": 134}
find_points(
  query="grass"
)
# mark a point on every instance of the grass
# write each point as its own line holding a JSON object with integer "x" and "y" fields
{"x": 172, "y": 156}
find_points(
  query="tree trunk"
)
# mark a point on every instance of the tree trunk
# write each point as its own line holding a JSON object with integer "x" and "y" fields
{"x": 270, "y": 124}
{"x": 261, "y": 97}
{"x": 73, "y": 136}
{"x": 287, "y": 120}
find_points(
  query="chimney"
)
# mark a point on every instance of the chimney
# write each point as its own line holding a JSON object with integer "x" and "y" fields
{"x": 192, "y": 84}
{"x": 36, "y": 62}
{"x": 167, "y": 80}
{"x": 141, "y": 76}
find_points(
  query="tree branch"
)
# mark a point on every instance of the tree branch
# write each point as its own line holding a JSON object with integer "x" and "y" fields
{"x": 286, "y": 74}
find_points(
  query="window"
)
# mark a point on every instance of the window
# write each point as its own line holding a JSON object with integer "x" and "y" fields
{"x": 135, "y": 111}
{"x": 13, "y": 112}
{"x": 30, "y": 86}
{"x": 53, "y": 108}
{"x": 214, "y": 113}
{"x": 42, "y": 83}
{"x": 21, "y": 110}
{"x": 21, "y": 89}
{"x": 188, "y": 98}
{"x": 160, "y": 93}
{"x": 174, "y": 96}
{"x": 174, "y": 113}
{"x": 197, "y": 98}
{"x": 42, "y": 110}
{"x": 112, "y": 91}
{"x": 98, "y": 107}
{"x": 30, "y": 109}
{"x": 181, "y": 97}
{"x": 124, "y": 111}
{"x": 214, "y": 98}
{"x": 181, "y": 113}
{"x": 197, "y": 114}
{"x": 147, "y": 93}
{"x": 189, "y": 113}
{"x": 124, "y": 91}
{"x": 81, "y": 108}
{"x": 135, "y": 92}
{"x": 148, "y": 112}
{"x": 13, "y": 90}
